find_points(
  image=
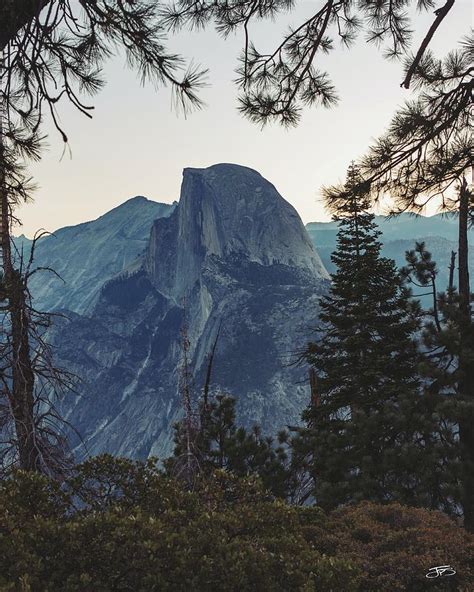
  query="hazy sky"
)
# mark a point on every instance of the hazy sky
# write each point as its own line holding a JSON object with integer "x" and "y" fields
{"x": 137, "y": 144}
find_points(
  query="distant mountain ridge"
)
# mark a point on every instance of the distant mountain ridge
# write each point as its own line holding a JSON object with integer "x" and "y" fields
{"x": 86, "y": 255}
{"x": 399, "y": 235}
{"x": 403, "y": 226}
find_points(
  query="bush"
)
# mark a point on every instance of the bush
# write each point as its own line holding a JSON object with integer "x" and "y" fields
{"x": 119, "y": 525}
{"x": 125, "y": 526}
{"x": 394, "y": 546}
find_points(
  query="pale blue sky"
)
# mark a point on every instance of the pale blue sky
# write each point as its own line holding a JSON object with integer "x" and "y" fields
{"x": 137, "y": 144}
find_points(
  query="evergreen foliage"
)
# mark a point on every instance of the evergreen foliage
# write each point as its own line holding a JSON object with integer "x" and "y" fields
{"x": 277, "y": 83}
{"x": 61, "y": 44}
{"x": 221, "y": 444}
{"x": 366, "y": 430}
{"x": 446, "y": 355}
{"x": 426, "y": 155}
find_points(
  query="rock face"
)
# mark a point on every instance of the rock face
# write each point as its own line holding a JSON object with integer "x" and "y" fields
{"x": 227, "y": 211}
{"x": 232, "y": 255}
{"x": 86, "y": 255}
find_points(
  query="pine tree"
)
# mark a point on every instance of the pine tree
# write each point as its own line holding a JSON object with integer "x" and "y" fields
{"x": 447, "y": 354}
{"x": 220, "y": 443}
{"x": 365, "y": 429}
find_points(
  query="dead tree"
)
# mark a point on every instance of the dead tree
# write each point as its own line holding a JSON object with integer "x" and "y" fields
{"x": 452, "y": 265}
{"x": 29, "y": 423}
{"x": 31, "y": 428}
{"x": 186, "y": 465}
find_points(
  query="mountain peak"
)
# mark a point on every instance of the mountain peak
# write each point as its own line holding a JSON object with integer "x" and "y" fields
{"x": 137, "y": 199}
{"x": 233, "y": 253}
{"x": 88, "y": 254}
{"x": 227, "y": 210}
{"x": 222, "y": 168}
{"x": 138, "y": 203}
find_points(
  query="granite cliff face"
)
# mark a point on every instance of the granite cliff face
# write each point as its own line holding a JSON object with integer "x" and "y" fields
{"x": 227, "y": 211}
{"x": 233, "y": 254}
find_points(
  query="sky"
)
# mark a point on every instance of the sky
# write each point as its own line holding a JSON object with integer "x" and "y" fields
{"x": 136, "y": 143}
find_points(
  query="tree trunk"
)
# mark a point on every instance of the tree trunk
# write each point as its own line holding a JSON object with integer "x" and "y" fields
{"x": 22, "y": 402}
{"x": 452, "y": 265}
{"x": 20, "y": 393}
{"x": 466, "y": 366}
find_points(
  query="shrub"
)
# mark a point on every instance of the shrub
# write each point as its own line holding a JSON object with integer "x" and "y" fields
{"x": 125, "y": 526}
{"x": 119, "y": 525}
{"x": 394, "y": 546}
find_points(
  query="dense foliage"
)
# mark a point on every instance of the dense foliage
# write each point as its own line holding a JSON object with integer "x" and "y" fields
{"x": 123, "y": 526}
{"x": 448, "y": 337}
{"x": 369, "y": 430}
{"x": 220, "y": 443}
{"x": 394, "y": 546}
{"x": 119, "y": 525}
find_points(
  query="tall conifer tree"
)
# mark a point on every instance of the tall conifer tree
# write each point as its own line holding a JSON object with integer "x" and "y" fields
{"x": 365, "y": 428}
